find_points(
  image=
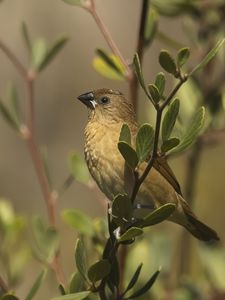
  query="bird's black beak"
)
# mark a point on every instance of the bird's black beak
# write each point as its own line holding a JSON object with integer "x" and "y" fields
{"x": 88, "y": 99}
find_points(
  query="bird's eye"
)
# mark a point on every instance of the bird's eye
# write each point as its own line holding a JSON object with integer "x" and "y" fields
{"x": 104, "y": 100}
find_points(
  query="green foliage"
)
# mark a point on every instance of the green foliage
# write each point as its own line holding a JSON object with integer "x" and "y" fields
{"x": 8, "y": 116}
{"x": 154, "y": 92}
{"x": 129, "y": 154}
{"x": 211, "y": 54}
{"x": 170, "y": 119}
{"x": 77, "y": 283}
{"x": 125, "y": 135}
{"x": 108, "y": 65}
{"x": 26, "y": 36}
{"x": 75, "y": 296}
{"x": 9, "y": 297}
{"x": 138, "y": 71}
{"x": 34, "y": 289}
{"x": 144, "y": 142}
{"x": 47, "y": 238}
{"x": 192, "y": 131}
{"x": 79, "y": 221}
{"x": 74, "y": 2}
{"x": 99, "y": 270}
{"x": 160, "y": 83}
{"x": 78, "y": 168}
{"x": 134, "y": 279}
{"x": 169, "y": 144}
{"x": 151, "y": 26}
{"x": 122, "y": 209}
{"x": 182, "y": 56}
{"x": 130, "y": 234}
{"x": 158, "y": 215}
{"x": 167, "y": 62}
{"x": 80, "y": 259}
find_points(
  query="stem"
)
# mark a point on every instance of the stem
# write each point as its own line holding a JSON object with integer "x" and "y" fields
{"x": 134, "y": 85}
{"x": 28, "y": 134}
{"x": 3, "y": 286}
{"x": 108, "y": 38}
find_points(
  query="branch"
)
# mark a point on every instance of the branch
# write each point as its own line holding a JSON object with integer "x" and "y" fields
{"x": 28, "y": 133}
{"x": 108, "y": 38}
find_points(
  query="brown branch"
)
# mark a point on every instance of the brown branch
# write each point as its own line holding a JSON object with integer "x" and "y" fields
{"x": 28, "y": 133}
{"x": 134, "y": 85}
{"x": 91, "y": 7}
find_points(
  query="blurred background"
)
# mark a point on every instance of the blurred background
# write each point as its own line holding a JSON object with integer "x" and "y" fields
{"x": 60, "y": 118}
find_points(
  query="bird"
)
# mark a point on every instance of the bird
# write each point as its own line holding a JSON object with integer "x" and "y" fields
{"x": 108, "y": 110}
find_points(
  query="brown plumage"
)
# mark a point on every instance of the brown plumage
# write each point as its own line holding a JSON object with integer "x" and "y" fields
{"x": 108, "y": 110}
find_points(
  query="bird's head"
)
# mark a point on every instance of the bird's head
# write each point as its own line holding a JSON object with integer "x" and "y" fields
{"x": 107, "y": 105}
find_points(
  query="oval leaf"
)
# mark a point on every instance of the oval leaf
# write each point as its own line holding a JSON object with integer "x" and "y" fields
{"x": 154, "y": 92}
{"x": 167, "y": 62}
{"x": 79, "y": 221}
{"x": 169, "y": 144}
{"x": 130, "y": 234}
{"x": 151, "y": 26}
{"x": 160, "y": 83}
{"x": 78, "y": 168}
{"x": 36, "y": 285}
{"x": 133, "y": 279}
{"x": 38, "y": 53}
{"x": 182, "y": 56}
{"x": 192, "y": 132}
{"x": 170, "y": 119}
{"x": 26, "y": 36}
{"x": 8, "y": 116}
{"x": 80, "y": 259}
{"x": 77, "y": 284}
{"x": 125, "y": 135}
{"x": 99, "y": 270}
{"x": 52, "y": 52}
{"x": 146, "y": 287}
{"x": 122, "y": 209}
{"x": 128, "y": 154}
{"x": 158, "y": 215}
{"x": 144, "y": 142}
{"x": 75, "y": 296}
{"x": 138, "y": 71}
{"x": 208, "y": 57}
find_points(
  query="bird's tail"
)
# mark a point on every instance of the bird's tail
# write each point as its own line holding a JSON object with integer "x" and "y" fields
{"x": 198, "y": 228}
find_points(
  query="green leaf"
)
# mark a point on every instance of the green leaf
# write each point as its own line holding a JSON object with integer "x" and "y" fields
{"x": 167, "y": 62}
{"x": 144, "y": 142}
{"x": 75, "y": 296}
{"x": 169, "y": 144}
{"x": 80, "y": 259}
{"x": 74, "y": 2}
{"x": 125, "y": 135}
{"x": 170, "y": 119}
{"x": 99, "y": 270}
{"x": 14, "y": 99}
{"x": 78, "y": 168}
{"x": 108, "y": 65}
{"x": 146, "y": 287}
{"x": 62, "y": 289}
{"x": 158, "y": 215}
{"x": 154, "y": 92}
{"x": 133, "y": 279}
{"x": 77, "y": 283}
{"x": 192, "y": 131}
{"x": 130, "y": 234}
{"x": 138, "y": 71}
{"x": 128, "y": 154}
{"x": 52, "y": 52}
{"x": 26, "y": 36}
{"x": 33, "y": 291}
{"x": 46, "y": 237}
{"x": 38, "y": 53}
{"x": 182, "y": 56}
{"x": 160, "y": 83}
{"x": 208, "y": 57}
{"x": 151, "y": 26}
{"x": 7, "y": 115}
{"x": 9, "y": 297}
{"x": 122, "y": 209}
{"x": 79, "y": 221}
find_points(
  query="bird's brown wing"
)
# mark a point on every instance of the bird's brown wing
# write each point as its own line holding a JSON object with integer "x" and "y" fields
{"x": 161, "y": 165}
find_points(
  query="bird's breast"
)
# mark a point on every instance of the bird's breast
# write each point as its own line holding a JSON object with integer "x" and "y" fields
{"x": 104, "y": 161}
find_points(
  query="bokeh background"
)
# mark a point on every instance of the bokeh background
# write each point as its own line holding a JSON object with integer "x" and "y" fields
{"x": 60, "y": 118}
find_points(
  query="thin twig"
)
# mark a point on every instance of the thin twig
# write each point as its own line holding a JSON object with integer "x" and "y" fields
{"x": 28, "y": 134}
{"x": 108, "y": 38}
